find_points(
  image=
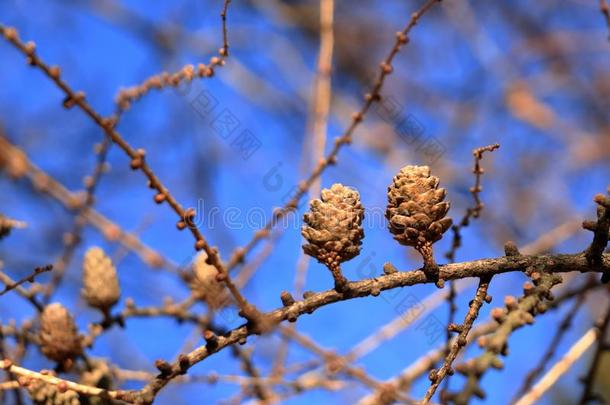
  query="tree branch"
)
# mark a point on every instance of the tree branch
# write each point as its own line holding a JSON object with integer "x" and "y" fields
{"x": 437, "y": 376}
{"x": 477, "y": 268}
{"x": 11, "y": 285}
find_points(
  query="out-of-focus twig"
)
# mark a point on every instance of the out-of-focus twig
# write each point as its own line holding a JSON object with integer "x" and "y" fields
{"x": 7, "y": 224}
{"x": 550, "y": 352}
{"x": 385, "y": 69}
{"x": 61, "y": 384}
{"x": 437, "y": 376}
{"x": 559, "y": 369}
{"x": 426, "y": 362}
{"x": 600, "y": 331}
{"x": 138, "y": 162}
{"x": 72, "y": 239}
{"x": 17, "y": 164}
{"x": 30, "y": 278}
{"x": 317, "y": 126}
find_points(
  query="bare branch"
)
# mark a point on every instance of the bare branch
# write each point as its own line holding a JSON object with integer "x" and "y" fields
{"x": 10, "y": 285}
{"x": 437, "y": 376}
{"x": 600, "y": 331}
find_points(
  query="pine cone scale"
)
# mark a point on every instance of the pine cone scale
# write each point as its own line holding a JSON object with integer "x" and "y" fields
{"x": 100, "y": 283}
{"x": 333, "y": 225}
{"x": 416, "y": 210}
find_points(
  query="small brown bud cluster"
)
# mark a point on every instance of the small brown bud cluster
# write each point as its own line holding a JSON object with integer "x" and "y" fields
{"x": 59, "y": 338}
{"x": 42, "y": 393}
{"x": 101, "y": 287}
{"x": 128, "y": 95}
{"x": 416, "y": 211}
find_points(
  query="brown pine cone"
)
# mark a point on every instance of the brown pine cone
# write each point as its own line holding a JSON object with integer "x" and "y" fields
{"x": 416, "y": 211}
{"x": 101, "y": 285}
{"x": 204, "y": 284}
{"x": 59, "y": 338}
{"x": 333, "y": 228}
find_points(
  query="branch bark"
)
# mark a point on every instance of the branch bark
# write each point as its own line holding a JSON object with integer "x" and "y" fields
{"x": 483, "y": 268}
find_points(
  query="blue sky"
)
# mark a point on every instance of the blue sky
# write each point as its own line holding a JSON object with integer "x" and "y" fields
{"x": 454, "y": 84}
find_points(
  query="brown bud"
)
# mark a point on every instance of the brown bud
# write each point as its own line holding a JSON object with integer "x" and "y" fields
{"x": 510, "y": 302}
{"x": 287, "y": 299}
{"x": 159, "y": 198}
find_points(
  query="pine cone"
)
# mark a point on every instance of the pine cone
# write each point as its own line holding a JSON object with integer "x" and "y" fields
{"x": 101, "y": 285}
{"x": 59, "y": 339}
{"x": 42, "y": 393}
{"x": 204, "y": 283}
{"x": 416, "y": 211}
{"x": 334, "y": 228}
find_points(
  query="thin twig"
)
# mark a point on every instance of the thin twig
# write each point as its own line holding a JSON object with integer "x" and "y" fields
{"x": 601, "y": 231}
{"x": 517, "y": 314}
{"x": 471, "y": 212}
{"x": 385, "y": 69}
{"x": 474, "y": 211}
{"x": 73, "y": 238}
{"x": 477, "y": 268}
{"x": 261, "y": 389}
{"x": 564, "y": 326}
{"x": 437, "y": 376}
{"x": 59, "y": 382}
{"x": 423, "y": 364}
{"x": 126, "y": 97}
{"x": 44, "y": 183}
{"x": 318, "y": 122}
{"x": 600, "y": 331}
{"x": 30, "y": 278}
{"x": 138, "y": 162}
